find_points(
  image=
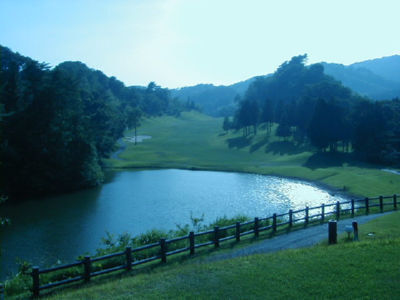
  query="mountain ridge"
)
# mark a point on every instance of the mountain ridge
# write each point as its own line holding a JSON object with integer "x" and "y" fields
{"x": 378, "y": 79}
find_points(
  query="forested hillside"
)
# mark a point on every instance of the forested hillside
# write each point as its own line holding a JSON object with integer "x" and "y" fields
{"x": 377, "y": 79}
{"x": 387, "y": 67}
{"x": 57, "y": 124}
{"x": 213, "y": 100}
{"x": 311, "y": 107}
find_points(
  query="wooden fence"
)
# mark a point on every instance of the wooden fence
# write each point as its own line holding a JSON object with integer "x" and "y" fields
{"x": 215, "y": 237}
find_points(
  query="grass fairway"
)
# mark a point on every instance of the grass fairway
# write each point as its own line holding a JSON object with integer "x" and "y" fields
{"x": 369, "y": 269}
{"x": 196, "y": 141}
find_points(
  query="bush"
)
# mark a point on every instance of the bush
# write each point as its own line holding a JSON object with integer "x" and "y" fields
{"x": 22, "y": 282}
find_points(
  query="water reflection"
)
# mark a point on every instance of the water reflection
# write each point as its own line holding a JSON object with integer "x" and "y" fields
{"x": 66, "y": 226}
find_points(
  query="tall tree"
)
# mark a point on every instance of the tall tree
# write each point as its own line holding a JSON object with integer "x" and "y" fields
{"x": 246, "y": 116}
{"x": 267, "y": 114}
{"x": 369, "y": 131}
{"x": 62, "y": 122}
{"x": 226, "y": 125}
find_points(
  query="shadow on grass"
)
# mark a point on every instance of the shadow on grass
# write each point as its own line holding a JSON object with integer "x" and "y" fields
{"x": 259, "y": 144}
{"x": 330, "y": 159}
{"x": 239, "y": 142}
{"x": 285, "y": 147}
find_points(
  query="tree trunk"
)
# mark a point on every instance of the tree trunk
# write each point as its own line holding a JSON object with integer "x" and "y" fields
{"x": 135, "y": 134}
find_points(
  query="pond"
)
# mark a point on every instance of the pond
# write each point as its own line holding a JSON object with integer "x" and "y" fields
{"x": 46, "y": 230}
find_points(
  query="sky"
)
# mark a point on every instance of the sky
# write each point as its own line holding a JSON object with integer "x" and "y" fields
{"x": 179, "y": 43}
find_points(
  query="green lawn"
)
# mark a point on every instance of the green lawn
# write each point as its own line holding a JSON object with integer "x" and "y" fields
{"x": 196, "y": 141}
{"x": 366, "y": 269}
{"x": 369, "y": 269}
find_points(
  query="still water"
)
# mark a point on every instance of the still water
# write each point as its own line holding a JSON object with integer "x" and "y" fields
{"x": 63, "y": 227}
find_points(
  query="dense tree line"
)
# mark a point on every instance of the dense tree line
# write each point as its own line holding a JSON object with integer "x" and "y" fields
{"x": 57, "y": 124}
{"x": 314, "y": 108}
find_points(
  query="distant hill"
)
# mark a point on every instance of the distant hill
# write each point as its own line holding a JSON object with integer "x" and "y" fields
{"x": 386, "y": 67}
{"x": 378, "y": 79}
{"x": 213, "y": 100}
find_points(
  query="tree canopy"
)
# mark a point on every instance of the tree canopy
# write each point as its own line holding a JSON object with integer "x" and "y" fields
{"x": 59, "y": 123}
{"x": 315, "y": 108}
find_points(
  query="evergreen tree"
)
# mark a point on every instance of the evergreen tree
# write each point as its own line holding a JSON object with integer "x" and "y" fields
{"x": 226, "y": 124}
{"x": 267, "y": 114}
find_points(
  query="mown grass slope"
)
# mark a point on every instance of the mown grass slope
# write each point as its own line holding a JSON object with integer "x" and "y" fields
{"x": 367, "y": 269}
{"x": 196, "y": 141}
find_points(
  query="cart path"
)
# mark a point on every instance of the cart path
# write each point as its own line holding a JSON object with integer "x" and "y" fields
{"x": 122, "y": 144}
{"x": 300, "y": 238}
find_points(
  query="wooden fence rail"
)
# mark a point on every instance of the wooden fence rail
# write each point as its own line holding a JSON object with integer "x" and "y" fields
{"x": 211, "y": 237}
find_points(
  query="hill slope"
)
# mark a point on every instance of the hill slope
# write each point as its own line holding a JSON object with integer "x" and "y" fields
{"x": 196, "y": 141}
{"x": 387, "y": 67}
{"x": 213, "y": 100}
{"x": 378, "y": 79}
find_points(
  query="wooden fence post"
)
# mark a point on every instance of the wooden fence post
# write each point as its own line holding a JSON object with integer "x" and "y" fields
{"x": 128, "y": 253}
{"x": 256, "y": 232}
{"x": 352, "y": 208}
{"x": 35, "y": 281}
{"x": 216, "y": 236}
{"x": 163, "y": 246}
{"x": 87, "y": 264}
{"x": 191, "y": 242}
{"x": 237, "y": 232}
{"x": 322, "y": 213}
{"x": 274, "y": 223}
{"x": 332, "y": 232}
{"x": 306, "y": 217}
{"x": 337, "y": 210}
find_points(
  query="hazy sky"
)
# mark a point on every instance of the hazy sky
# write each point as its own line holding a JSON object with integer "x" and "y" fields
{"x": 184, "y": 42}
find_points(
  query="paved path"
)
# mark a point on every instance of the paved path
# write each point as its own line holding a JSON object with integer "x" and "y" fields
{"x": 296, "y": 239}
{"x": 122, "y": 146}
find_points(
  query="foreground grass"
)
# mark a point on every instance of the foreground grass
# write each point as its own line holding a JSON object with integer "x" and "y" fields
{"x": 196, "y": 141}
{"x": 366, "y": 269}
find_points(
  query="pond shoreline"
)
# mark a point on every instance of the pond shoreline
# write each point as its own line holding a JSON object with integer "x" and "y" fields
{"x": 124, "y": 204}
{"x": 332, "y": 190}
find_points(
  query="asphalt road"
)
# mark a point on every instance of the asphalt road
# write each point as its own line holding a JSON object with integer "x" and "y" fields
{"x": 306, "y": 237}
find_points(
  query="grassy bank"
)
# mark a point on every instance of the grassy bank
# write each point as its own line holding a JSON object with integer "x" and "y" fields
{"x": 196, "y": 141}
{"x": 365, "y": 269}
